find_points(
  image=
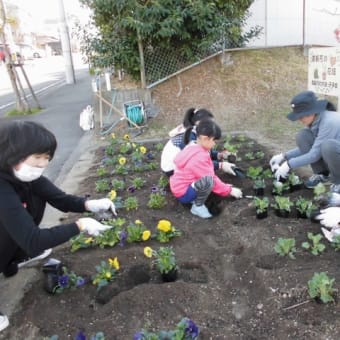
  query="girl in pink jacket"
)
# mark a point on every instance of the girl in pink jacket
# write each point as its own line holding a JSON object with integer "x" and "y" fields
{"x": 194, "y": 176}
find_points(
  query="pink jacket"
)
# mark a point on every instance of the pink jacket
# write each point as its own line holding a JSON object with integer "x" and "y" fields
{"x": 191, "y": 164}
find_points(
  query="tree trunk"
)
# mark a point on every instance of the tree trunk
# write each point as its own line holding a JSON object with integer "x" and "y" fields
{"x": 9, "y": 64}
{"x": 142, "y": 63}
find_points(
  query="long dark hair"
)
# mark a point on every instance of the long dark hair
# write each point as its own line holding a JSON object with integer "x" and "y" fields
{"x": 20, "y": 139}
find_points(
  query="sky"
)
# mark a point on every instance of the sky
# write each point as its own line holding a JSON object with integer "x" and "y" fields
{"x": 34, "y": 14}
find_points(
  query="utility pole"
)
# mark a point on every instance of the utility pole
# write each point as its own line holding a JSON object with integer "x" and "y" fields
{"x": 66, "y": 46}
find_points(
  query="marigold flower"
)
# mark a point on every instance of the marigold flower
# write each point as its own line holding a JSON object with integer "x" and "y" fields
{"x": 148, "y": 251}
{"x": 142, "y": 149}
{"x": 126, "y": 136}
{"x": 122, "y": 160}
{"x": 164, "y": 225}
{"x": 146, "y": 235}
{"x": 113, "y": 135}
{"x": 114, "y": 263}
{"x": 138, "y": 222}
{"x": 112, "y": 195}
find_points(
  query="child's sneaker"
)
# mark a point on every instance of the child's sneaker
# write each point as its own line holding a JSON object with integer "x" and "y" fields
{"x": 3, "y": 322}
{"x": 29, "y": 260}
{"x": 200, "y": 211}
{"x": 315, "y": 179}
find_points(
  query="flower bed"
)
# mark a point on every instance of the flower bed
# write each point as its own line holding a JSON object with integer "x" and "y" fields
{"x": 231, "y": 282}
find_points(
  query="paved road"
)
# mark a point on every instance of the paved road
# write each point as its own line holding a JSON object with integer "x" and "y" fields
{"x": 62, "y": 104}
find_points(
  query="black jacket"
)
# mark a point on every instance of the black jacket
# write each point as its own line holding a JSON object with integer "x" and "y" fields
{"x": 22, "y": 206}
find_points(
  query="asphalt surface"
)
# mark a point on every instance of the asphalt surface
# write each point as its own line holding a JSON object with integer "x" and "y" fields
{"x": 62, "y": 105}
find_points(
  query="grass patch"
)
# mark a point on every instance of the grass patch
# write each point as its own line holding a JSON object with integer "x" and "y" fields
{"x": 16, "y": 112}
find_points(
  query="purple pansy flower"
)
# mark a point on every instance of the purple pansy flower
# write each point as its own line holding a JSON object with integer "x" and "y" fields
{"x": 154, "y": 189}
{"x": 80, "y": 336}
{"x": 80, "y": 281}
{"x": 149, "y": 155}
{"x": 138, "y": 336}
{"x": 63, "y": 281}
{"x": 131, "y": 189}
{"x": 122, "y": 238}
{"x": 191, "y": 330}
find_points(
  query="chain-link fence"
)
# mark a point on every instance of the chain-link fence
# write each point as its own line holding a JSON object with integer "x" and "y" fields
{"x": 160, "y": 63}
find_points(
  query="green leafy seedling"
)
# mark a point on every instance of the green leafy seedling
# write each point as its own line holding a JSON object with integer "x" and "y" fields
{"x": 285, "y": 247}
{"x": 319, "y": 190}
{"x": 321, "y": 287}
{"x": 131, "y": 203}
{"x": 261, "y": 204}
{"x": 157, "y": 201}
{"x": 336, "y": 243}
{"x": 315, "y": 246}
{"x": 254, "y": 172}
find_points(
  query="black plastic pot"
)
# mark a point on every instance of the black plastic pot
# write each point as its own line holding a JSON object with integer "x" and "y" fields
{"x": 170, "y": 276}
{"x": 258, "y": 191}
{"x": 301, "y": 214}
{"x": 282, "y": 213}
{"x": 262, "y": 214}
{"x": 295, "y": 187}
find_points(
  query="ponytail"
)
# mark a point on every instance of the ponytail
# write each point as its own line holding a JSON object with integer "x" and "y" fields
{"x": 192, "y": 116}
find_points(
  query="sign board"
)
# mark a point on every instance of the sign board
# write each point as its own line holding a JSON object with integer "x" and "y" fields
{"x": 324, "y": 71}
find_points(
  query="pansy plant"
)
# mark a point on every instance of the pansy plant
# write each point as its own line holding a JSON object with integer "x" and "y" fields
{"x": 165, "y": 231}
{"x": 137, "y": 232}
{"x": 106, "y": 272}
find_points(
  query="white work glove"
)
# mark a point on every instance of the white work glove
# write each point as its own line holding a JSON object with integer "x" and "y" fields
{"x": 331, "y": 235}
{"x": 227, "y": 168}
{"x": 334, "y": 200}
{"x": 91, "y": 226}
{"x": 276, "y": 160}
{"x": 223, "y": 154}
{"x": 236, "y": 192}
{"x": 100, "y": 205}
{"x": 282, "y": 171}
{"x": 329, "y": 217}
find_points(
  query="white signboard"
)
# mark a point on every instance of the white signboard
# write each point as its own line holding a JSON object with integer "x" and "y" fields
{"x": 324, "y": 70}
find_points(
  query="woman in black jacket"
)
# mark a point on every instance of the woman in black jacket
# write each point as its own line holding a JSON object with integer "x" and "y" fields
{"x": 26, "y": 149}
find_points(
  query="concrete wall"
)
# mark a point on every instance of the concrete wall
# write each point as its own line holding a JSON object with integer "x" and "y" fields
{"x": 295, "y": 22}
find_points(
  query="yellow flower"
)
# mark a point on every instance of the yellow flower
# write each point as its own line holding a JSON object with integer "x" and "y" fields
{"x": 114, "y": 263}
{"x": 113, "y": 135}
{"x": 164, "y": 225}
{"x": 142, "y": 149}
{"x": 122, "y": 160}
{"x": 112, "y": 195}
{"x": 88, "y": 240}
{"x": 148, "y": 251}
{"x": 146, "y": 235}
{"x": 108, "y": 275}
{"x": 138, "y": 222}
{"x": 126, "y": 136}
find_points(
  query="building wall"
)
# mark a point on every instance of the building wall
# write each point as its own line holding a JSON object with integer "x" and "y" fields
{"x": 295, "y": 22}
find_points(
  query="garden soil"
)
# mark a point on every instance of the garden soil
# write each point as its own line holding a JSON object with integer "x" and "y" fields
{"x": 230, "y": 282}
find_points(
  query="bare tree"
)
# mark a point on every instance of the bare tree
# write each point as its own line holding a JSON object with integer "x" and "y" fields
{"x": 20, "y": 104}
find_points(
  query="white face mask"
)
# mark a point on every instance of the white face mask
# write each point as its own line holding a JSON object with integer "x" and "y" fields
{"x": 28, "y": 173}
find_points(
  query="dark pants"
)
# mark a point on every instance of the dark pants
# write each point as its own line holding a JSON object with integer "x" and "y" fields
{"x": 330, "y": 154}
